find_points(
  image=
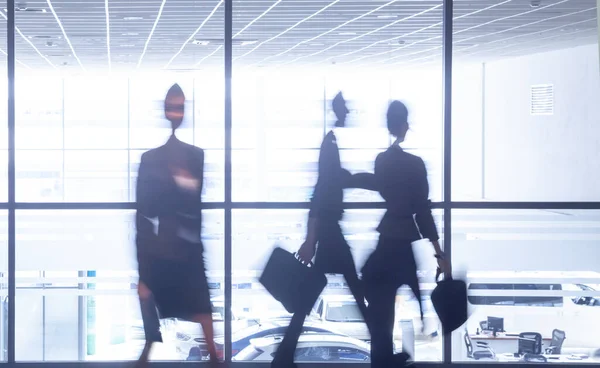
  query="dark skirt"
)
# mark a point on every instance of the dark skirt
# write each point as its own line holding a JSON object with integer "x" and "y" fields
{"x": 179, "y": 287}
{"x": 393, "y": 264}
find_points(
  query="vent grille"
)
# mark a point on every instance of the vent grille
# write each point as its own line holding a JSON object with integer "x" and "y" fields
{"x": 542, "y": 99}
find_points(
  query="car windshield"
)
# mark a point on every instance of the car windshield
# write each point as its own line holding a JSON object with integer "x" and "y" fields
{"x": 343, "y": 312}
{"x": 590, "y": 301}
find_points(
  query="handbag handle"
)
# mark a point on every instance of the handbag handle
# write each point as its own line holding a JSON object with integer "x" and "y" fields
{"x": 307, "y": 264}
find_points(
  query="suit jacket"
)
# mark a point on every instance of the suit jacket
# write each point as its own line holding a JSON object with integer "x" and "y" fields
{"x": 401, "y": 179}
{"x": 327, "y": 202}
{"x": 159, "y": 198}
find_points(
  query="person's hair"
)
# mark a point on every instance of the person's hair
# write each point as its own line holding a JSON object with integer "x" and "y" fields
{"x": 175, "y": 90}
{"x": 338, "y": 104}
{"x": 397, "y": 118}
{"x": 338, "y": 99}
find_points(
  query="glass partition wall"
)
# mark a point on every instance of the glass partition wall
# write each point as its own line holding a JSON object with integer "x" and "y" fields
{"x": 503, "y": 108}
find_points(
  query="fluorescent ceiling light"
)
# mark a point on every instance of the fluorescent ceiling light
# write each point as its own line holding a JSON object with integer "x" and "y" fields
{"x": 130, "y": 34}
{"x": 133, "y": 18}
{"x": 347, "y": 33}
{"x": 246, "y": 43}
{"x": 201, "y": 42}
{"x": 387, "y": 16}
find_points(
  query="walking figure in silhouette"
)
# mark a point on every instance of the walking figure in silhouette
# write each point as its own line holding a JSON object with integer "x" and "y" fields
{"x": 401, "y": 179}
{"x": 171, "y": 255}
{"x": 326, "y": 209}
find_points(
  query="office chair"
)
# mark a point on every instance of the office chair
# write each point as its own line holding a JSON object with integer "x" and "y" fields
{"x": 530, "y": 347}
{"x": 485, "y": 352}
{"x": 535, "y": 358}
{"x": 483, "y": 325}
{"x": 558, "y": 337}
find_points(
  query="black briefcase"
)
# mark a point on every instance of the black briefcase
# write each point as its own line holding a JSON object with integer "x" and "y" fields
{"x": 296, "y": 285}
{"x": 449, "y": 299}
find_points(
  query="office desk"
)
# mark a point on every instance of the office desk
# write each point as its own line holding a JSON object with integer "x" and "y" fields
{"x": 505, "y": 342}
{"x": 551, "y": 358}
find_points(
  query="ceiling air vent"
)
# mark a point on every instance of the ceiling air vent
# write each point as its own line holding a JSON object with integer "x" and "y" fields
{"x": 542, "y": 99}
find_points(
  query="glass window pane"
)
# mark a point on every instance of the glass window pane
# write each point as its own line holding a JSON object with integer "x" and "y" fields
{"x": 535, "y": 270}
{"x": 96, "y": 113}
{"x": 39, "y": 175}
{"x": 525, "y": 88}
{"x": 96, "y": 176}
{"x": 257, "y": 232}
{"x": 39, "y": 112}
{"x": 209, "y": 110}
{"x": 76, "y": 286}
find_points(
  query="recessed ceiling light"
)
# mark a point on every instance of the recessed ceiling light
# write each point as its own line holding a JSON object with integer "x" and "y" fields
{"x": 317, "y": 44}
{"x": 201, "y": 42}
{"x": 133, "y": 18}
{"x": 246, "y": 43}
{"x": 347, "y": 33}
{"x": 26, "y": 9}
{"x": 387, "y": 16}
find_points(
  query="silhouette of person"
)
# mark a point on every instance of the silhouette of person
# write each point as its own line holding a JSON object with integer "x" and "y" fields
{"x": 172, "y": 276}
{"x": 401, "y": 179}
{"x": 333, "y": 253}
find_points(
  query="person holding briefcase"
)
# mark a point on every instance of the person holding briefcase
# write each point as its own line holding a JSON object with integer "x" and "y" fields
{"x": 401, "y": 179}
{"x": 333, "y": 253}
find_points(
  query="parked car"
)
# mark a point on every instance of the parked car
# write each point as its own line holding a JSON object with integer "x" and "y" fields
{"x": 341, "y": 313}
{"x": 241, "y": 339}
{"x": 312, "y": 347}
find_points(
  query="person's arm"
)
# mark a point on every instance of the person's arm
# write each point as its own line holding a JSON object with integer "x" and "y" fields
{"x": 424, "y": 218}
{"x": 308, "y": 248}
{"x": 144, "y": 211}
{"x": 359, "y": 180}
{"x": 318, "y": 199}
{"x": 423, "y": 215}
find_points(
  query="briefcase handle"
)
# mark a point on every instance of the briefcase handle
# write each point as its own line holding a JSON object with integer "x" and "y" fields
{"x": 438, "y": 272}
{"x": 309, "y": 264}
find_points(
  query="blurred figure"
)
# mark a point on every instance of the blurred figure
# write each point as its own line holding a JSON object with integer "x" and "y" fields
{"x": 333, "y": 253}
{"x": 401, "y": 179}
{"x": 171, "y": 254}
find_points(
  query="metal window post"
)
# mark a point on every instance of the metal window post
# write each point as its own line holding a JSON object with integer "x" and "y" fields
{"x": 10, "y": 61}
{"x": 447, "y": 101}
{"x": 228, "y": 228}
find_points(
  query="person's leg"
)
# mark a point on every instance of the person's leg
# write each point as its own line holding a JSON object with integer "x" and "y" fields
{"x": 284, "y": 356}
{"x": 357, "y": 289}
{"x": 380, "y": 311}
{"x": 151, "y": 322}
{"x": 206, "y": 322}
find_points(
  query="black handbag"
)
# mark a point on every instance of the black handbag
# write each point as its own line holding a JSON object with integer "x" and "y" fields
{"x": 449, "y": 299}
{"x": 294, "y": 284}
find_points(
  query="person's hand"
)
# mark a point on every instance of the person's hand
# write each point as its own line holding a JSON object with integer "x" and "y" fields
{"x": 306, "y": 252}
{"x": 444, "y": 265}
{"x": 143, "y": 291}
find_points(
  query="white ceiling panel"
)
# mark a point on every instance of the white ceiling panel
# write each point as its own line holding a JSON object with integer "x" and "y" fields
{"x": 101, "y": 35}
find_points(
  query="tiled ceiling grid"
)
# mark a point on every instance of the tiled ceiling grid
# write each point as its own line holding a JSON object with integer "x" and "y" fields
{"x": 82, "y": 35}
